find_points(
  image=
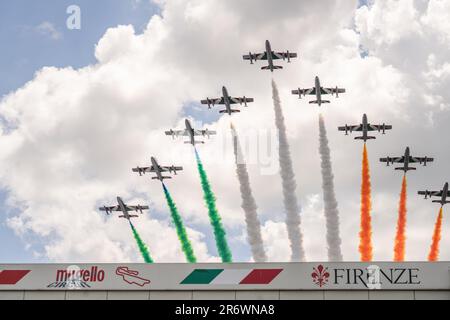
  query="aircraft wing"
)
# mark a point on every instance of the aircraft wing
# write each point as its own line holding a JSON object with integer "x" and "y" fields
{"x": 283, "y": 55}
{"x": 240, "y": 100}
{"x": 204, "y": 132}
{"x": 311, "y": 91}
{"x": 420, "y": 159}
{"x": 255, "y": 56}
{"x": 378, "y": 127}
{"x": 167, "y": 168}
{"x": 109, "y": 209}
{"x": 177, "y": 133}
{"x": 393, "y": 160}
{"x": 351, "y": 128}
{"x": 432, "y": 193}
{"x": 213, "y": 101}
{"x": 332, "y": 90}
{"x": 144, "y": 169}
{"x": 137, "y": 208}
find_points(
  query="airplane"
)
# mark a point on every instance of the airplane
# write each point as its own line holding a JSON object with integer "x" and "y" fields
{"x": 270, "y": 55}
{"x": 318, "y": 91}
{"x": 406, "y": 160}
{"x": 227, "y": 100}
{"x": 189, "y": 131}
{"x": 124, "y": 209}
{"x": 365, "y": 127}
{"x": 156, "y": 168}
{"x": 444, "y": 194}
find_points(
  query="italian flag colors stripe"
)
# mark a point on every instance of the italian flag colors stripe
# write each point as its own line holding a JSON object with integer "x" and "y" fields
{"x": 11, "y": 277}
{"x": 231, "y": 276}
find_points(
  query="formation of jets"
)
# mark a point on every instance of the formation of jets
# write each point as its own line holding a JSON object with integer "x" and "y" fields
{"x": 365, "y": 127}
{"x": 318, "y": 91}
{"x": 158, "y": 170}
{"x": 270, "y": 56}
{"x": 228, "y": 101}
{"x": 443, "y": 194}
{"x": 125, "y": 209}
{"x": 191, "y": 133}
{"x": 406, "y": 159}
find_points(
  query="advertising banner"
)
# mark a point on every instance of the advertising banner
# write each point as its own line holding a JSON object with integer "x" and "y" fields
{"x": 236, "y": 276}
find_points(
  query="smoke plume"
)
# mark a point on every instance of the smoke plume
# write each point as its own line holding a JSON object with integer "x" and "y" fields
{"x": 329, "y": 197}
{"x": 214, "y": 217}
{"x": 400, "y": 238}
{"x": 248, "y": 203}
{"x": 365, "y": 234}
{"x": 179, "y": 226}
{"x": 142, "y": 246}
{"x": 288, "y": 182}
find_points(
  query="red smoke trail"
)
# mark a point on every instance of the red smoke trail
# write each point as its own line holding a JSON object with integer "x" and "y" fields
{"x": 400, "y": 238}
{"x": 365, "y": 235}
{"x": 434, "y": 250}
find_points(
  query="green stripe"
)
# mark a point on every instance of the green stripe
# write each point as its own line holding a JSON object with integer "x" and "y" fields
{"x": 202, "y": 276}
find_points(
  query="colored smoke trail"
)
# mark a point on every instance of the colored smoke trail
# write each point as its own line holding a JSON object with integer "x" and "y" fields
{"x": 400, "y": 238}
{"x": 248, "y": 203}
{"x": 214, "y": 217}
{"x": 329, "y": 197}
{"x": 365, "y": 234}
{"x": 434, "y": 250}
{"x": 142, "y": 247}
{"x": 179, "y": 226}
{"x": 288, "y": 182}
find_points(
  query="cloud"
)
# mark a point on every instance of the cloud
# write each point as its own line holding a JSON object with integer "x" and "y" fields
{"x": 72, "y": 136}
{"x": 49, "y": 30}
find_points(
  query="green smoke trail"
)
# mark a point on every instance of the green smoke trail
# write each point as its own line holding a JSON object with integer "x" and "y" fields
{"x": 214, "y": 217}
{"x": 181, "y": 231}
{"x": 142, "y": 247}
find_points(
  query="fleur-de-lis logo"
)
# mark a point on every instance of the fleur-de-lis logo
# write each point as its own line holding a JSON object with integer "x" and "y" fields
{"x": 320, "y": 275}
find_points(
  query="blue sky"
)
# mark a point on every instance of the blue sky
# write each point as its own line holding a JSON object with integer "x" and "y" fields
{"x": 26, "y": 49}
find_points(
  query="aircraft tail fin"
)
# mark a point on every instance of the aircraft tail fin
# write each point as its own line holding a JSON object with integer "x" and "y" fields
{"x": 274, "y": 67}
{"x": 362, "y": 138}
{"x": 405, "y": 169}
{"x": 232, "y": 111}
{"x": 317, "y": 102}
{"x": 438, "y": 201}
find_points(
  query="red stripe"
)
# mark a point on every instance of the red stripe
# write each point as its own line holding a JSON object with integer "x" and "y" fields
{"x": 11, "y": 277}
{"x": 261, "y": 276}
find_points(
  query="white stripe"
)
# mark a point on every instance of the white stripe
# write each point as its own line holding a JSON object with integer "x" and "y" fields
{"x": 231, "y": 276}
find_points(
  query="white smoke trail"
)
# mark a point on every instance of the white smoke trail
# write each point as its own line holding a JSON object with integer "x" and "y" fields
{"x": 329, "y": 196}
{"x": 288, "y": 182}
{"x": 248, "y": 204}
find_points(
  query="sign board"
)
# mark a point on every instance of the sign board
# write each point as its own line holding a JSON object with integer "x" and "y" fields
{"x": 235, "y": 276}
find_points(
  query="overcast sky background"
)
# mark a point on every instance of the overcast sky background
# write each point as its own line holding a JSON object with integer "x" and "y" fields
{"x": 79, "y": 108}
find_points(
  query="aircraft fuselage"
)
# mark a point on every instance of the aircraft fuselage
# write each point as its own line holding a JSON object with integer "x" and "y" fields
{"x": 190, "y": 131}
{"x": 226, "y": 99}
{"x": 269, "y": 55}
{"x": 157, "y": 169}
{"x": 444, "y": 195}
{"x": 318, "y": 92}
{"x": 123, "y": 208}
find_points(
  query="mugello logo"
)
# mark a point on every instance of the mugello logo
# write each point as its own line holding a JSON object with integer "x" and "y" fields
{"x": 12, "y": 277}
{"x": 74, "y": 277}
